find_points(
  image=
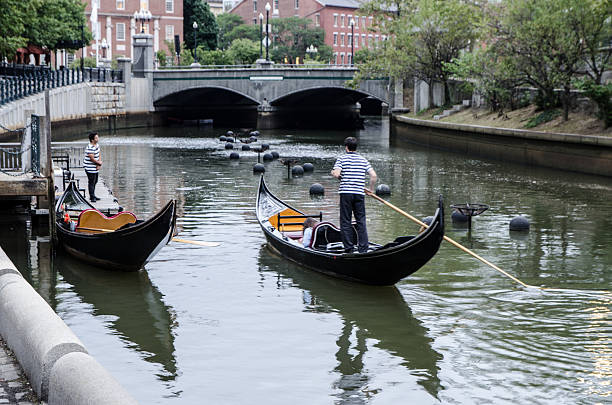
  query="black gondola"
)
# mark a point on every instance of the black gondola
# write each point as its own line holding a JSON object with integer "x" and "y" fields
{"x": 128, "y": 248}
{"x": 381, "y": 265}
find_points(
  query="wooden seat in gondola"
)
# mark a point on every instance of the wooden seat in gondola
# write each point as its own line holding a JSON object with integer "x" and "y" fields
{"x": 291, "y": 223}
{"x": 92, "y": 220}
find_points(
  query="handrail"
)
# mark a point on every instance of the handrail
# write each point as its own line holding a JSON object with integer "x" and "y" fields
{"x": 268, "y": 67}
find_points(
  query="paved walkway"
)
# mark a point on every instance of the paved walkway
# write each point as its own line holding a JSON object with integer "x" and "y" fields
{"x": 14, "y": 387}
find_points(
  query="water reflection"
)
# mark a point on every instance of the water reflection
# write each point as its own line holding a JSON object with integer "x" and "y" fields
{"x": 376, "y": 316}
{"x": 140, "y": 316}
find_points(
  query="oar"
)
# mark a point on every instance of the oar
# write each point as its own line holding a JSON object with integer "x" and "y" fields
{"x": 193, "y": 242}
{"x": 446, "y": 238}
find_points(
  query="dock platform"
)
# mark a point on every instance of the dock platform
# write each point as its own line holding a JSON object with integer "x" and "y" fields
{"x": 106, "y": 203}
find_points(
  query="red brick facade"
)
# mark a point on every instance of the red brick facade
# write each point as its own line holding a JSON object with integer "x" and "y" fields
{"x": 334, "y": 19}
{"x": 117, "y": 25}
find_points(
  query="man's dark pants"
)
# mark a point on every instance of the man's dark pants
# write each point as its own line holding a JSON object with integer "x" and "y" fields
{"x": 353, "y": 204}
{"x": 92, "y": 180}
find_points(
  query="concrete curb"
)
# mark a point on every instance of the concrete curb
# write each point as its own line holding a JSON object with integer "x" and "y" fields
{"x": 40, "y": 340}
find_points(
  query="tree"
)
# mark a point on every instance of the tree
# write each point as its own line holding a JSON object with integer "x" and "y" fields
{"x": 214, "y": 57}
{"x": 291, "y": 36}
{"x": 227, "y": 22}
{"x": 243, "y": 51}
{"x": 244, "y": 31}
{"x": 12, "y": 36}
{"x": 56, "y": 24}
{"x": 207, "y": 31}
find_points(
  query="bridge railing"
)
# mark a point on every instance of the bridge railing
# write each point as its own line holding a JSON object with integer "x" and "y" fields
{"x": 19, "y": 81}
{"x": 272, "y": 67}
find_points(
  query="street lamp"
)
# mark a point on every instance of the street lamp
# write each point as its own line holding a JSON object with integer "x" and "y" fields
{"x": 104, "y": 46}
{"x": 195, "y": 42}
{"x": 352, "y": 23}
{"x": 267, "y": 33}
{"x": 142, "y": 15}
{"x": 312, "y": 50}
{"x": 260, "y": 35}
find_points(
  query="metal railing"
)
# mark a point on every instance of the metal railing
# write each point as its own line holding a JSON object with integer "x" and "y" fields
{"x": 10, "y": 157}
{"x": 254, "y": 66}
{"x": 19, "y": 81}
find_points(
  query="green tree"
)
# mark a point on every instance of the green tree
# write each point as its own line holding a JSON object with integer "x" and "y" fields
{"x": 243, "y": 51}
{"x": 243, "y": 31}
{"x": 292, "y": 35}
{"x": 207, "y": 31}
{"x": 13, "y": 13}
{"x": 56, "y": 24}
{"x": 214, "y": 57}
{"x": 227, "y": 22}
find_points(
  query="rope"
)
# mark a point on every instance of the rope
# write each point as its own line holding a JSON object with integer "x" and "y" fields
{"x": 8, "y": 152}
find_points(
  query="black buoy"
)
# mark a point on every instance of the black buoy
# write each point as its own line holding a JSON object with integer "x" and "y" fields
{"x": 246, "y": 147}
{"x": 229, "y": 145}
{"x": 265, "y": 146}
{"x": 519, "y": 224}
{"x": 259, "y": 168}
{"x": 317, "y": 189}
{"x": 267, "y": 157}
{"x": 230, "y": 133}
{"x": 234, "y": 155}
{"x": 383, "y": 189}
{"x": 308, "y": 167}
{"x": 297, "y": 170}
{"x": 275, "y": 155}
{"x": 254, "y": 133}
{"x": 252, "y": 139}
{"x": 223, "y": 138}
{"x": 427, "y": 220}
{"x": 230, "y": 140}
{"x": 456, "y": 216}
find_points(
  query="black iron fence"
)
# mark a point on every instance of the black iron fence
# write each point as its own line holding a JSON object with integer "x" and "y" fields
{"x": 19, "y": 81}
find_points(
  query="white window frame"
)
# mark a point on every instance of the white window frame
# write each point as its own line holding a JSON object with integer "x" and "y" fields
{"x": 317, "y": 20}
{"x": 342, "y": 39}
{"x": 342, "y": 20}
{"x": 171, "y": 3}
{"x": 349, "y": 39}
{"x": 363, "y": 22}
{"x": 335, "y": 19}
{"x": 342, "y": 58}
{"x": 254, "y": 5}
{"x": 120, "y": 4}
{"x": 335, "y": 39}
{"x": 297, "y": 4}
{"x": 118, "y": 31}
{"x": 363, "y": 39}
{"x": 171, "y": 37}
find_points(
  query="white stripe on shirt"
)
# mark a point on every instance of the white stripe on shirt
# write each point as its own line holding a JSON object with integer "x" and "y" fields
{"x": 353, "y": 168}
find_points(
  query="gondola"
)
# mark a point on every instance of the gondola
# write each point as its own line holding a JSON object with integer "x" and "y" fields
{"x": 127, "y": 245}
{"x": 380, "y": 265}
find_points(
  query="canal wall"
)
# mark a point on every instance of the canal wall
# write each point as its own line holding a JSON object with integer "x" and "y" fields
{"x": 578, "y": 153}
{"x": 55, "y": 361}
{"x": 78, "y": 101}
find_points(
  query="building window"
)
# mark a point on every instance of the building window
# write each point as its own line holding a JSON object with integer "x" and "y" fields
{"x": 342, "y": 58}
{"x": 335, "y": 20}
{"x": 342, "y": 39}
{"x": 275, "y": 4}
{"x": 169, "y": 6}
{"x": 335, "y": 58}
{"x": 120, "y": 4}
{"x": 375, "y": 38}
{"x": 363, "y": 43}
{"x": 120, "y": 31}
{"x": 363, "y": 22}
{"x": 370, "y": 40}
{"x": 317, "y": 20}
{"x": 350, "y": 39}
{"x": 356, "y": 39}
{"x": 169, "y": 32}
{"x": 342, "y": 20}
{"x": 144, "y": 4}
{"x": 348, "y": 59}
{"x": 335, "y": 38}
{"x": 297, "y": 4}
{"x": 255, "y": 5}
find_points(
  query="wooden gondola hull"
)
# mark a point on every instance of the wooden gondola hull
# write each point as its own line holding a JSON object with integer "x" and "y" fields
{"x": 384, "y": 266}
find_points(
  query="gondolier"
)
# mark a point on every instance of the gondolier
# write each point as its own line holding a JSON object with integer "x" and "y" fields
{"x": 92, "y": 163}
{"x": 351, "y": 169}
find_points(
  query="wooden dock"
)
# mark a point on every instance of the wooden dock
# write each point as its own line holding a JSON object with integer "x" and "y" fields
{"x": 107, "y": 203}
{"x": 20, "y": 185}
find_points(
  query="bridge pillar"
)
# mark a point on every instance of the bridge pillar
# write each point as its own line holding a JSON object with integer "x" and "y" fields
{"x": 140, "y": 95}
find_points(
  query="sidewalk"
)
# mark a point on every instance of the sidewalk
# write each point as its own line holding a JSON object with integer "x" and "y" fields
{"x": 14, "y": 387}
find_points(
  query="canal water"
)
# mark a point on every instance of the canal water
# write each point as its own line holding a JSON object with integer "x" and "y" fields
{"x": 236, "y": 324}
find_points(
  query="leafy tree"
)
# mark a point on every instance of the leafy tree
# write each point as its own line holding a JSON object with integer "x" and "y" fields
{"x": 12, "y": 36}
{"x": 214, "y": 57}
{"x": 244, "y": 31}
{"x": 56, "y": 24}
{"x": 227, "y": 22}
{"x": 601, "y": 94}
{"x": 291, "y": 36}
{"x": 207, "y": 31}
{"x": 243, "y": 51}
{"x": 161, "y": 57}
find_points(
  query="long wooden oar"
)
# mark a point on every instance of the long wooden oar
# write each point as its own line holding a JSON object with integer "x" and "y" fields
{"x": 452, "y": 242}
{"x": 193, "y": 242}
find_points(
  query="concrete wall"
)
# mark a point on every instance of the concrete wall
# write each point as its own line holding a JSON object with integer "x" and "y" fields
{"x": 82, "y": 100}
{"x": 55, "y": 361}
{"x": 577, "y": 153}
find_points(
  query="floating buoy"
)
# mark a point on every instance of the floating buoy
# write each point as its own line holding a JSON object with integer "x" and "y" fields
{"x": 267, "y": 157}
{"x": 427, "y": 220}
{"x": 308, "y": 167}
{"x": 456, "y": 216}
{"x": 246, "y": 147}
{"x": 230, "y": 133}
{"x": 297, "y": 170}
{"x": 265, "y": 146}
{"x": 223, "y": 138}
{"x": 317, "y": 189}
{"x": 229, "y": 145}
{"x": 383, "y": 189}
{"x": 234, "y": 155}
{"x": 275, "y": 155}
{"x": 254, "y": 133}
{"x": 252, "y": 139}
{"x": 230, "y": 140}
{"x": 519, "y": 224}
{"x": 259, "y": 168}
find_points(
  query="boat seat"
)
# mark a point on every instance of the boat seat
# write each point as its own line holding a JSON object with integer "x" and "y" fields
{"x": 294, "y": 234}
{"x": 92, "y": 219}
{"x": 325, "y": 233}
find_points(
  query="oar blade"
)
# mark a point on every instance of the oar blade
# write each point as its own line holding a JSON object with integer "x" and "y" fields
{"x": 197, "y": 242}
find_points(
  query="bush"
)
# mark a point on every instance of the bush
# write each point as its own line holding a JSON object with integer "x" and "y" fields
{"x": 600, "y": 94}
{"x": 542, "y": 118}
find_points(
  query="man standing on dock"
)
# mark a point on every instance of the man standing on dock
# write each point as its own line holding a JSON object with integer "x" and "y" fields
{"x": 351, "y": 169}
{"x": 92, "y": 163}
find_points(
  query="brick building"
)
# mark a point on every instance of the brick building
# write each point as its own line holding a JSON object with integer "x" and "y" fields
{"x": 333, "y": 16}
{"x": 116, "y": 25}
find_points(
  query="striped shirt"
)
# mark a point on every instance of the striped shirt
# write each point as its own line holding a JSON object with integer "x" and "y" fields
{"x": 353, "y": 168}
{"x": 90, "y": 167}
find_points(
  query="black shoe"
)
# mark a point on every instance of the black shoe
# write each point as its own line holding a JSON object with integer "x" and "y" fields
{"x": 93, "y": 199}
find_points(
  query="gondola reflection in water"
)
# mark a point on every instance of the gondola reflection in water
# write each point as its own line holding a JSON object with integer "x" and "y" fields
{"x": 121, "y": 243}
{"x": 381, "y": 265}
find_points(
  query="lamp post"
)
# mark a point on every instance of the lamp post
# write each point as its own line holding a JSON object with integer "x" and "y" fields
{"x": 82, "y": 47}
{"x": 267, "y": 32}
{"x": 352, "y": 23}
{"x": 312, "y": 50}
{"x": 260, "y": 35}
{"x": 142, "y": 15}
{"x": 195, "y": 42}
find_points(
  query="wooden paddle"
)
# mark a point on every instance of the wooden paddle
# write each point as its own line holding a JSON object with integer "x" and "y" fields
{"x": 446, "y": 238}
{"x": 193, "y": 242}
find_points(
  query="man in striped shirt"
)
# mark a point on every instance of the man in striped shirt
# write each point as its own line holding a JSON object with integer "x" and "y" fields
{"x": 351, "y": 169}
{"x": 92, "y": 163}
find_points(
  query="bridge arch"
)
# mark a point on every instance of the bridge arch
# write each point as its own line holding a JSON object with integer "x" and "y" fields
{"x": 188, "y": 94}
{"x": 322, "y": 95}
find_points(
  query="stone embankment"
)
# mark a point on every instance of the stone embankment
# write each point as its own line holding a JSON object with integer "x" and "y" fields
{"x": 55, "y": 361}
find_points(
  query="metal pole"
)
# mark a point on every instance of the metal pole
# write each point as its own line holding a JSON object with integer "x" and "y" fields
{"x": 267, "y": 34}
{"x": 82, "y": 46}
{"x": 352, "y": 44}
{"x": 195, "y": 46}
{"x": 260, "y": 38}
